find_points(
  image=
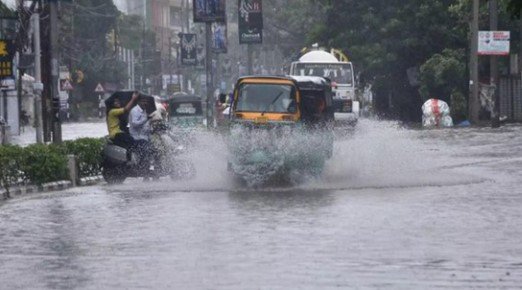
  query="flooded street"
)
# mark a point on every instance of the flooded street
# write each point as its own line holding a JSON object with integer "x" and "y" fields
{"x": 395, "y": 209}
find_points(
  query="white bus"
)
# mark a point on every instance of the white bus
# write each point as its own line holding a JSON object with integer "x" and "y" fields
{"x": 325, "y": 64}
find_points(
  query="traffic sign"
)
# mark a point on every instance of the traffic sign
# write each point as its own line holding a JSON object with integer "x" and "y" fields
{"x": 65, "y": 85}
{"x": 99, "y": 88}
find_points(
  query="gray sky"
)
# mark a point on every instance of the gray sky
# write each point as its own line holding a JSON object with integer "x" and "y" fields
{"x": 9, "y": 3}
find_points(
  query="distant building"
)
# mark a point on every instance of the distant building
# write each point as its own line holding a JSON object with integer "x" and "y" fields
{"x": 166, "y": 18}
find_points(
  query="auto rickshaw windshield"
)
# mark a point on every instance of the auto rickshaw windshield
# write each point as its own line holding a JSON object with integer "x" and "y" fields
{"x": 274, "y": 98}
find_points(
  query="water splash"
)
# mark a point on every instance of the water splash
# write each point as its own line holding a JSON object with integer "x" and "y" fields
{"x": 278, "y": 155}
{"x": 373, "y": 154}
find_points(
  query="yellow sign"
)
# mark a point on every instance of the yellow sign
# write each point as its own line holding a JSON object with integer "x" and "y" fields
{"x": 3, "y": 48}
{"x": 6, "y": 58}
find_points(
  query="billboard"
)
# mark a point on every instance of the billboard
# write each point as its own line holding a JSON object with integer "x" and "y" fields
{"x": 188, "y": 48}
{"x": 219, "y": 37}
{"x": 250, "y": 21}
{"x": 493, "y": 42}
{"x": 7, "y": 52}
{"x": 209, "y": 10}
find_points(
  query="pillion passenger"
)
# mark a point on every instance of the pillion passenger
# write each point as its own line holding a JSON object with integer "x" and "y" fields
{"x": 116, "y": 134}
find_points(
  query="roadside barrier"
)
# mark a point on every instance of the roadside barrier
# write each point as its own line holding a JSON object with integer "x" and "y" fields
{"x": 48, "y": 167}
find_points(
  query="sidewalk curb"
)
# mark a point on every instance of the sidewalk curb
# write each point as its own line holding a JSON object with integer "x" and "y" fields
{"x": 91, "y": 180}
{"x": 51, "y": 186}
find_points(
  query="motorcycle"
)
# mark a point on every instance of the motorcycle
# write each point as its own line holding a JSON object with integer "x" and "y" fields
{"x": 161, "y": 159}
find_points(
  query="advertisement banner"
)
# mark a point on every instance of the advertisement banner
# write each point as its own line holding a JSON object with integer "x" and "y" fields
{"x": 493, "y": 42}
{"x": 209, "y": 10}
{"x": 7, "y": 52}
{"x": 250, "y": 21}
{"x": 188, "y": 48}
{"x": 219, "y": 37}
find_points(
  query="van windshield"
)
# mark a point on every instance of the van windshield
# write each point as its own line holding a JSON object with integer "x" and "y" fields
{"x": 341, "y": 73}
{"x": 273, "y": 98}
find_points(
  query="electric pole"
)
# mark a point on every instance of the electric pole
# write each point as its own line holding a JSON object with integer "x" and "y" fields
{"x": 493, "y": 67}
{"x": 37, "y": 86}
{"x": 473, "y": 109}
{"x": 55, "y": 97}
{"x": 209, "y": 76}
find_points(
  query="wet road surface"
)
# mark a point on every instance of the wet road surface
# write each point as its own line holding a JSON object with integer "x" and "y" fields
{"x": 395, "y": 209}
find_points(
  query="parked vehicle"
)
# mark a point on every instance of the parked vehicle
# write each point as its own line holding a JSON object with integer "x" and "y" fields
{"x": 280, "y": 128}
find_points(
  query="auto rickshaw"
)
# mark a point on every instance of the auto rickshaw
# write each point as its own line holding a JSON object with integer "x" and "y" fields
{"x": 186, "y": 119}
{"x": 186, "y": 111}
{"x": 281, "y": 128}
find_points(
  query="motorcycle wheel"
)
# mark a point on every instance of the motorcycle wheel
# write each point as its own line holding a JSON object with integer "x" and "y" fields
{"x": 113, "y": 176}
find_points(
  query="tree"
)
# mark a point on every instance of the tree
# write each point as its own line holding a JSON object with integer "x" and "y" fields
{"x": 85, "y": 27}
{"x": 5, "y": 11}
{"x": 386, "y": 38}
{"x": 514, "y": 7}
{"x": 442, "y": 74}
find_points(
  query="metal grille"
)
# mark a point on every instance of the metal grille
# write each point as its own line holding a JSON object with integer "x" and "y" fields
{"x": 517, "y": 99}
{"x": 510, "y": 90}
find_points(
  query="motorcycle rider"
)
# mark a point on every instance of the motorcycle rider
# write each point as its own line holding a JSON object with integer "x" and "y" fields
{"x": 140, "y": 129}
{"x": 116, "y": 134}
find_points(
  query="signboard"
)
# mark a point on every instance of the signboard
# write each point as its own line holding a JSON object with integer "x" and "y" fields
{"x": 493, "y": 42}
{"x": 7, "y": 84}
{"x": 219, "y": 37}
{"x": 99, "y": 88}
{"x": 209, "y": 10}
{"x": 65, "y": 85}
{"x": 250, "y": 21}
{"x": 173, "y": 88}
{"x": 188, "y": 48}
{"x": 200, "y": 64}
{"x": 9, "y": 27}
{"x": 7, "y": 51}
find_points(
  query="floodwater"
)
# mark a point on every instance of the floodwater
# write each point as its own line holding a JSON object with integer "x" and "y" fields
{"x": 395, "y": 209}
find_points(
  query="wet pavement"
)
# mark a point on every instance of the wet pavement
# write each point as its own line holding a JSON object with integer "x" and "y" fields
{"x": 395, "y": 209}
{"x": 70, "y": 131}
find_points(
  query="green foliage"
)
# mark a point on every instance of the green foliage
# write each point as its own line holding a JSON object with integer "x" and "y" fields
{"x": 514, "y": 7}
{"x": 44, "y": 163}
{"x": 86, "y": 28}
{"x": 130, "y": 31}
{"x": 89, "y": 154}
{"x": 288, "y": 23}
{"x": 5, "y": 11}
{"x": 386, "y": 38}
{"x": 10, "y": 161}
{"x": 40, "y": 163}
{"x": 459, "y": 107}
{"x": 443, "y": 74}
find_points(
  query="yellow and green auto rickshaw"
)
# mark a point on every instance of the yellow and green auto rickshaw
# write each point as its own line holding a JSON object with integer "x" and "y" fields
{"x": 280, "y": 128}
